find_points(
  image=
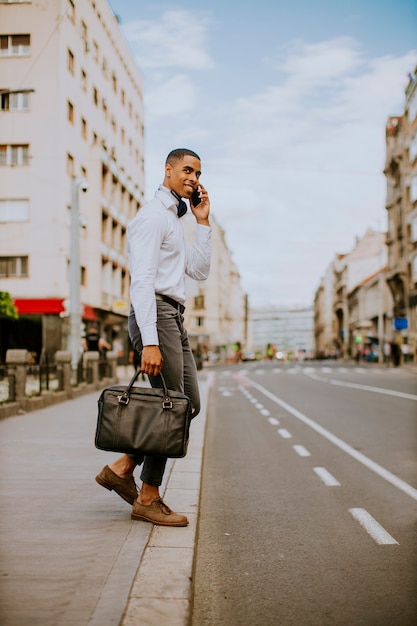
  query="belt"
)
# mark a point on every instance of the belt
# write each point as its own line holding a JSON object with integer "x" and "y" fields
{"x": 180, "y": 307}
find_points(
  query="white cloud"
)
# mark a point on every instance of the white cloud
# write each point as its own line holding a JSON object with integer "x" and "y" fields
{"x": 171, "y": 97}
{"x": 312, "y": 147}
{"x": 177, "y": 39}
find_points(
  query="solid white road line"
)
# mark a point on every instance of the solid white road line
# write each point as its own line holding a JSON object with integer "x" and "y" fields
{"x": 284, "y": 433}
{"x": 372, "y": 527}
{"x": 375, "y": 467}
{"x": 301, "y": 451}
{"x": 326, "y": 477}
{"x": 387, "y": 392}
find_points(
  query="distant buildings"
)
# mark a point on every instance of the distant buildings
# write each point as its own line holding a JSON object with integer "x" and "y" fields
{"x": 401, "y": 204}
{"x": 352, "y": 306}
{"x": 217, "y": 311}
{"x": 367, "y": 299}
{"x": 286, "y": 330}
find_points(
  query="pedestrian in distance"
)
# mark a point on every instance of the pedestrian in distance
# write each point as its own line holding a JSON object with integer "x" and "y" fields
{"x": 159, "y": 260}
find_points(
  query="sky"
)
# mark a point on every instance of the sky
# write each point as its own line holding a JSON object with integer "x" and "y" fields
{"x": 286, "y": 104}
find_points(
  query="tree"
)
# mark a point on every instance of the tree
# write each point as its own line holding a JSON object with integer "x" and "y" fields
{"x": 8, "y": 312}
{"x": 7, "y": 308}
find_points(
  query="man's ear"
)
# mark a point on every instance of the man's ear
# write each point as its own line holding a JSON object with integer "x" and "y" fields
{"x": 168, "y": 168}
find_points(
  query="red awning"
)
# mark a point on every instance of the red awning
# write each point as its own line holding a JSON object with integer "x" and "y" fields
{"x": 51, "y": 306}
{"x": 39, "y": 306}
{"x": 89, "y": 313}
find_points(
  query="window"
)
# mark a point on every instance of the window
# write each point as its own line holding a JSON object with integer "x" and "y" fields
{"x": 413, "y": 148}
{"x": 14, "y": 45}
{"x": 95, "y": 96}
{"x": 84, "y": 35}
{"x": 14, "y": 100}
{"x": 83, "y": 80}
{"x": 199, "y": 302}
{"x": 71, "y": 11}
{"x": 414, "y": 230}
{"x": 104, "y": 67}
{"x": 199, "y": 321}
{"x": 14, "y": 210}
{"x": 14, "y": 154}
{"x": 70, "y": 165}
{"x": 83, "y": 276}
{"x": 71, "y": 62}
{"x": 123, "y": 96}
{"x": 114, "y": 82}
{"x": 14, "y": 266}
{"x": 413, "y": 189}
{"x": 83, "y": 128}
{"x": 95, "y": 51}
{"x": 70, "y": 112}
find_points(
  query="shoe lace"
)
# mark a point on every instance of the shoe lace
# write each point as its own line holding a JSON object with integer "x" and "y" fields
{"x": 164, "y": 508}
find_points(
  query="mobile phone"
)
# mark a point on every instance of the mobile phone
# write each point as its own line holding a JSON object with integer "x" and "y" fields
{"x": 195, "y": 197}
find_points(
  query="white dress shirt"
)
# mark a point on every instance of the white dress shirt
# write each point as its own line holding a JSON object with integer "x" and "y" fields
{"x": 159, "y": 259}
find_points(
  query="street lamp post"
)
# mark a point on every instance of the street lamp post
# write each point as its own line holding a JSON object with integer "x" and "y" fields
{"x": 75, "y": 273}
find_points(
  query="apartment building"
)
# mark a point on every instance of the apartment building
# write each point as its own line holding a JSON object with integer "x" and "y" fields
{"x": 71, "y": 110}
{"x": 401, "y": 204}
{"x": 353, "y": 305}
{"x": 217, "y": 312}
{"x": 289, "y": 330}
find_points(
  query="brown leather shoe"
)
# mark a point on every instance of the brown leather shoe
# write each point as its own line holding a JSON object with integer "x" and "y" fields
{"x": 124, "y": 487}
{"x": 157, "y": 513}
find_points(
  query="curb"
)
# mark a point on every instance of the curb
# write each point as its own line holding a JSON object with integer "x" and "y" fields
{"x": 161, "y": 589}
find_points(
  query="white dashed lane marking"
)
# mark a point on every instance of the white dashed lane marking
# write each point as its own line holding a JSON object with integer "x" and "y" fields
{"x": 326, "y": 477}
{"x": 273, "y": 421}
{"x": 301, "y": 450}
{"x": 284, "y": 433}
{"x": 372, "y": 527}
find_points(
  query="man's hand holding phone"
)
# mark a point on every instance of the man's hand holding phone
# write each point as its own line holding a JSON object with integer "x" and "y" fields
{"x": 200, "y": 205}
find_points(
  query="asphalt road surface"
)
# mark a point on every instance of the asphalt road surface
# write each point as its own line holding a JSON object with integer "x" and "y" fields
{"x": 309, "y": 497}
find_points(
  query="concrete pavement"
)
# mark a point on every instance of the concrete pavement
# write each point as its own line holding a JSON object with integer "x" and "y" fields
{"x": 70, "y": 553}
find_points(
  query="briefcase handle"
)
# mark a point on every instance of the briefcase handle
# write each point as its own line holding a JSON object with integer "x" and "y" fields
{"x": 125, "y": 397}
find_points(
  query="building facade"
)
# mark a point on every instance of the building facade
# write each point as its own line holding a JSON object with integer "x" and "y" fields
{"x": 71, "y": 117}
{"x": 401, "y": 204}
{"x": 217, "y": 312}
{"x": 289, "y": 331}
{"x": 353, "y": 305}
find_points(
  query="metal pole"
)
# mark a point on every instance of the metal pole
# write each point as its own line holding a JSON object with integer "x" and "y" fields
{"x": 75, "y": 277}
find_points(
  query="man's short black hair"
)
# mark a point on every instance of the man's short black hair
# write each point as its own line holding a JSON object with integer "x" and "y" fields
{"x": 180, "y": 153}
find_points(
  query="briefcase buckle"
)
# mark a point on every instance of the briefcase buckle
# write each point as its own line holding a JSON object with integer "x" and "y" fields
{"x": 167, "y": 404}
{"x": 123, "y": 399}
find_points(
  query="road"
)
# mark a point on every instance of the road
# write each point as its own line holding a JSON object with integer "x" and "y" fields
{"x": 309, "y": 497}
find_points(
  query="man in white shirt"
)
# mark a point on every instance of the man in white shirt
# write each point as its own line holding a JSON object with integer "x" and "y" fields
{"x": 159, "y": 259}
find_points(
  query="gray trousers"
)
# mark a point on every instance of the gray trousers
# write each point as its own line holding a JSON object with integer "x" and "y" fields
{"x": 179, "y": 371}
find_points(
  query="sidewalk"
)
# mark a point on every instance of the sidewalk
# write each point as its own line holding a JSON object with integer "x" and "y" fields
{"x": 71, "y": 555}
